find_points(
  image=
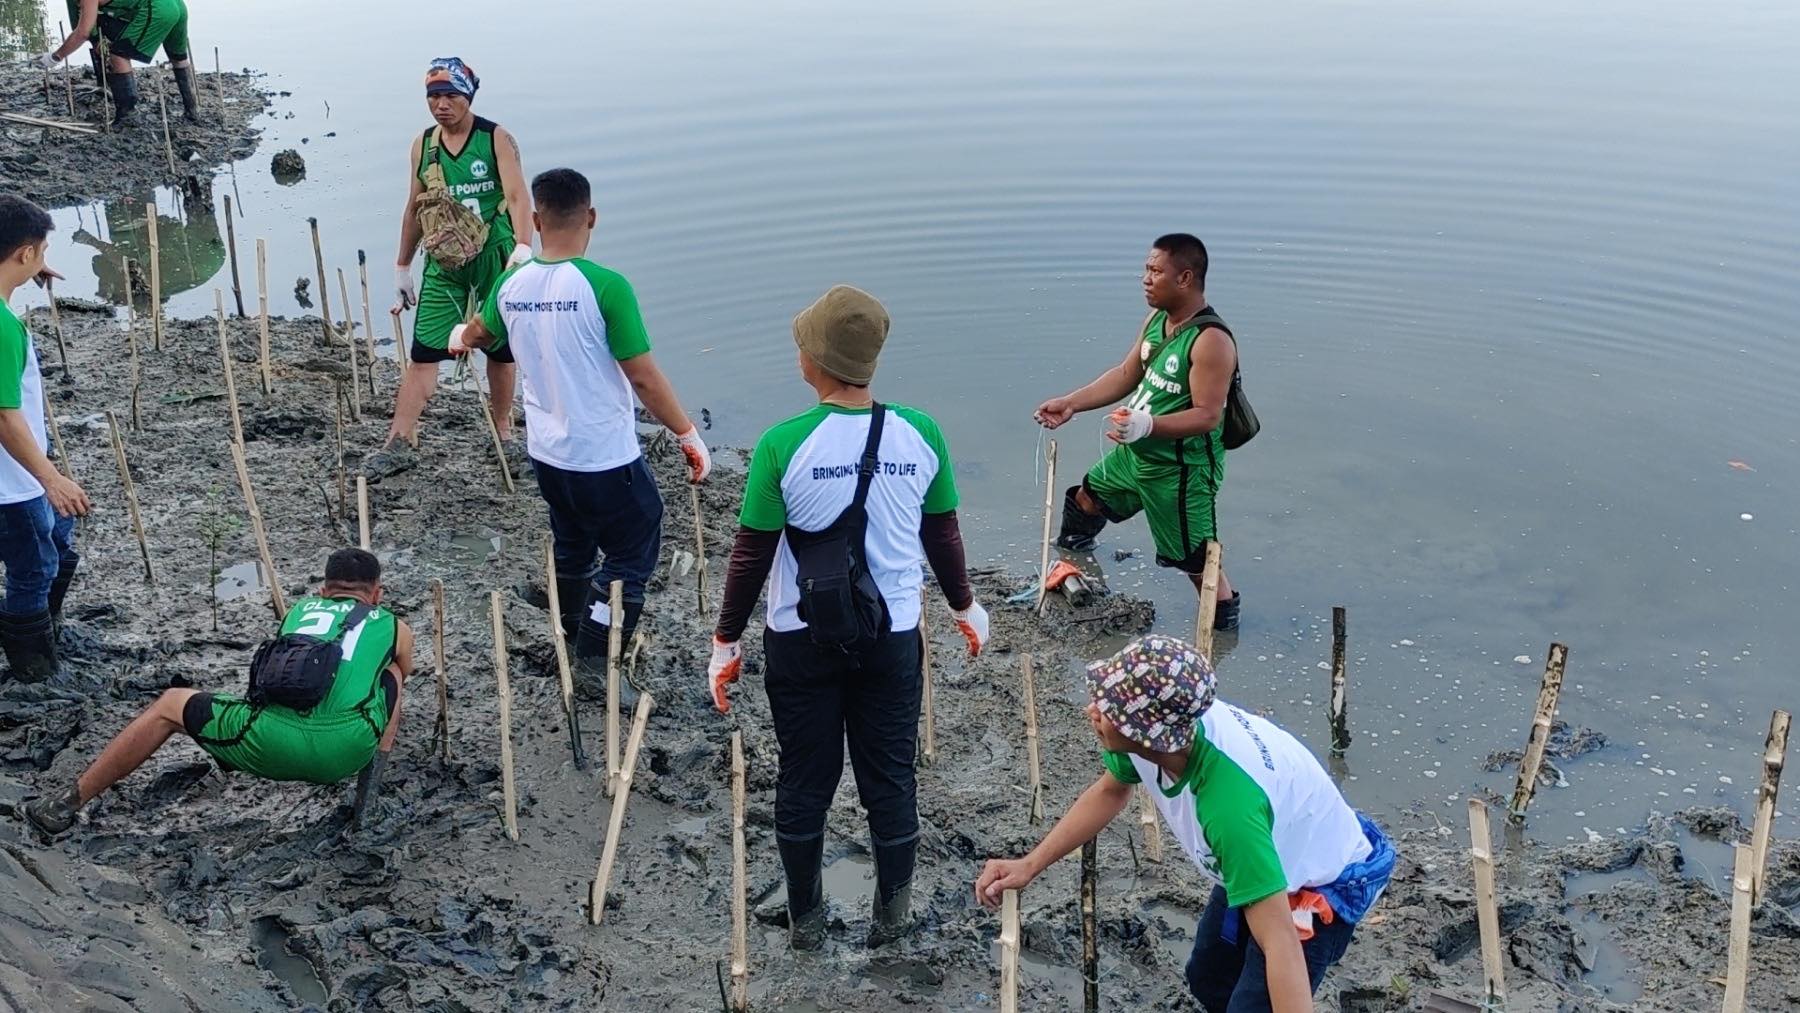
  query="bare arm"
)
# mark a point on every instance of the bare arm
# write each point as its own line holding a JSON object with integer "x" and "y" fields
{"x": 1209, "y": 381}
{"x": 1272, "y": 923}
{"x": 409, "y": 223}
{"x": 402, "y": 667}
{"x": 84, "y": 27}
{"x": 512, "y": 182}
{"x": 1104, "y": 800}
{"x": 65, "y": 496}
{"x": 654, "y": 391}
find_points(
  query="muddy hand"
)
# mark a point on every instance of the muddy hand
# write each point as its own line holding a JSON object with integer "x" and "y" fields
{"x": 999, "y": 876}
{"x": 699, "y": 459}
{"x": 973, "y": 622}
{"x": 726, "y": 665}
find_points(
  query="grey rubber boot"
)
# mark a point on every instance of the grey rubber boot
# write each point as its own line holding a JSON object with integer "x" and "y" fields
{"x": 893, "y": 892}
{"x": 803, "y": 862}
{"x": 29, "y": 643}
{"x": 190, "y": 101}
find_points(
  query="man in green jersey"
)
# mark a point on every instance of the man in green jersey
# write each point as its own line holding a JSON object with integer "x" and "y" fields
{"x": 350, "y": 730}
{"x": 482, "y": 170}
{"x": 1296, "y": 867}
{"x": 1170, "y": 461}
{"x": 134, "y": 30}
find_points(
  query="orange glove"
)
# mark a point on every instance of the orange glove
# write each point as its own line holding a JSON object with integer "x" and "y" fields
{"x": 973, "y": 622}
{"x": 726, "y": 665}
{"x": 698, "y": 458}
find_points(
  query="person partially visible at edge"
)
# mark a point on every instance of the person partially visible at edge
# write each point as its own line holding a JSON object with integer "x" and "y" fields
{"x": 38, "y": 504}
{"x": 352, "y": 730}
{"x": 133, "y": 30}
{"x": 579, "y": 338}
{"x": 803, "y": 475}
{"x": 1297, "y": 868}
{"x": 1169, "y": 461}
{"x": 482, "y": 170}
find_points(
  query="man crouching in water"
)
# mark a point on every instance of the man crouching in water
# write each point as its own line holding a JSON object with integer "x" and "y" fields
{"x": 350, "y": 727}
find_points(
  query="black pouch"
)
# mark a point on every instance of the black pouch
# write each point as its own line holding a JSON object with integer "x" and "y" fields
{"x": 1239, "y": 425}
{"x": 839, "y": 601}
{"x": 297, "y": 671}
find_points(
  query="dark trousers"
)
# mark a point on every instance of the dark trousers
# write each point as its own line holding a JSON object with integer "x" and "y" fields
{"x": 35, "y": 544}
{"x": 821, "y": 696}
{"x": 1230, "y": 976}
{"x": 616, "y": 514}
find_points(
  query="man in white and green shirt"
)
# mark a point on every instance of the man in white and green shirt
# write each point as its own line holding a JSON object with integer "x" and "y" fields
{"x": 1297, "y": 868}
{"x": 851, "y": 673}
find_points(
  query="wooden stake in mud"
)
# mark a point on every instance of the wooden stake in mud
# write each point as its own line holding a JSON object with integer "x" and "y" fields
{"x": 1090, "y": 927}
{"x": 399, "y": 337}
{"x": 137, "y": 372}
{"x": 1340, "y": 719}
{"x": 162, "y": 103}
{"x": 156, "y": 320}
{"x": 1153, "y": 843}
{"x": 131, "y": 503}
{"x": 237, "y": 420}
{"x": 1540, "y": 732}
{"x": 324, "y": 293}
{"x": 106, "y": 113}
{"x": 262, "y": 314}
{"x": 62, "y": 347}
{"x": 1774, "y": 758}
{"x": 440, "y": 732}
{"x": 362, "y": 271}
{"x": 928, "y": 745}
{"x": 487, "y": 415}
{"x": 1487, "y": 915}
{"x": 699, "y": 551}
{"x": 277, "y": 600}
{"x": 614, "y": 641}
{"x": 68, "y": 83}
{"x": 507, "y": 789}
{"x": 740, "y": 882}
{"x": 560, "y": 641}
{"x": 219, "y": 79}
{"x": 350, "y": 343}
{"x": 1035, "y": 771}
{"x": 615, "y": 825}
{"x": 362, "y": 512}
{"x": 1209, "y": 599}
{"x": 1737, "y": 952}
{"x": 1049, "y": 519}
{"x": 62, "y": 454}
{"x": 237, "y": 286}
{"x": 1009, "y": 952}
{"x": 337, "y": 419}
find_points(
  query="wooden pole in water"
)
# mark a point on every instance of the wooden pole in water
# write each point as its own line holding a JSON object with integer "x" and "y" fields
{"x": 1153, "y": 844}
{"x": 237, "y": 287}
{"x": 1487, "y": 915}
{"x": 740, "y": 881}
{"x": 350, "y": 336}
{"x": 324, "y": 293}
{"x": 262, "y": 314}
{"x": 615, "y": 825}
{"x": 156, "y": 320}
{"x": 277, "y": 600}
{"x": 1340, "y": 719}
{"x": 137, "y": 372}
{"x": 1774, "y": 758}
{"x": 1034, "y": 771}
{"x": 162, "y": 103}
{"x": 362, "y": 271}
{"x": 507, "y": 789}
{"x": 1090, "y": 927}
{"x": 130, "y": 297}
{"x": 1209, "y": 599}
{"x": 1540, "y": 731}
{"x": 1737, "y": 951}
{"x": 237, "y": 420}
{"x": 440, "y": 732}
{"x": 1049, "y": 519}
{"x": 362, "y": 512}
{"x": 928, "y": 745}
{"x": 559, "y": 640}
{"x": 1009, "y": 952}
{"x": 699, "y": 551}
{"x": 614, "y": 641}
{"x": 62, "y": 347}
{"x": 131, "y": 503}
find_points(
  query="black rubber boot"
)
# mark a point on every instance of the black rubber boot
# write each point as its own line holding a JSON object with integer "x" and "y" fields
{"x": 893, "y": 892}
{"x": 803, "y": 862}
{"x": 55, "y": 815}
{"x": 124, "y": 96}
{"x": 59, "y": 588}
{"x": 571, "y": 597}
{"x": 1080, "y": 530}
{"x": 30, "y": 645}
{"x": 190, "y": 102}
{"x": 1225, "y": 614}
{"x": 592, "y": 639}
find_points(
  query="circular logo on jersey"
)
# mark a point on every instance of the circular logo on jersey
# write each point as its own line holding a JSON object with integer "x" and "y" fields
{"x": 1172, "y": 365}
{"x": 478, "y": 169}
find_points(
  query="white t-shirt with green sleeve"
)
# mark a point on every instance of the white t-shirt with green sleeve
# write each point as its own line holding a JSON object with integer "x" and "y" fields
{"x": 803, "y": 473}
{"x": 569, "y": 324}
{"x": 1254, "y": 808}
{"x": 21, "y": 388}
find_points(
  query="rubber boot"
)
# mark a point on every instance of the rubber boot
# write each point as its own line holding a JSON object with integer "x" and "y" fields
{"x": 1225, "y": 614}
{"x": 1080, "y": 530}
{"x": 124, "y": 96}
{"x": 571, "y": 596}
{"x": 29, "y": 645}
{"x": 893, "y": 893}
{"x": 55, "y": 815}
{"x": 592, "y": 641}
{"x": 59, "y": 588}
{"x": 803, "y": 862}
{"x": 190, "y": 101}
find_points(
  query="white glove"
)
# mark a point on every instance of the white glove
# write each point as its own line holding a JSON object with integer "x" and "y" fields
{"x": 698, "y": 458}
{"x": 456, "y": 340}
{"x": 1128, "y": 425}
{"x": 973, "y": 622}
{"x": 403, "y": 287}
{"x": 520, "y": 254}
{"x": 48, "y": 60}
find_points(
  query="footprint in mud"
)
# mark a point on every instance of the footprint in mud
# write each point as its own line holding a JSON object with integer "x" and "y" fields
{"x": 275, "y": 953}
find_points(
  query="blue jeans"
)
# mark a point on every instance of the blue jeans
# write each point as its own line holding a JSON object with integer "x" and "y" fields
{"x": 34, "y": 544}
{"x": 616, "y": 514}
{"x": 1228, "y": 975}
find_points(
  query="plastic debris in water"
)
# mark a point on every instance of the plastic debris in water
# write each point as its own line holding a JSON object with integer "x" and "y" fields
{"x": 1523, "y": 659}
{"x": 1746, "y": 517}
{"x": 1739, "y": 466}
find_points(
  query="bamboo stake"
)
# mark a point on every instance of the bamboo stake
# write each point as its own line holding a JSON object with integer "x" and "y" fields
{"x": 1049, "y": 519}
{"x": 49, "y": 99}
{"x": 237, "y": 287}
{"x": 131, "y": 503}
{"x": 1034, "y": 771}
{"x": 1487, "y": 916}
{"x": 740, "y": 922}
{"x": 1340, "y": 721}
{"x": 350, "y": 341}
{"x": 62, "y": 346}
{"x": 219, "y": 79}
{"x": 162, "y": 103}
{"x": 324, "y": 293}
{"x": 614, "y": 635}
{"x": 1153, "y": 843}
{"x": 130, "y": 297}
{"x": 507, "y": 788}
{"x": 399, "y": 338}
{"x": 262, "y": 314}
{"x": 337, "y": 419}
{"x": 362, "y": 271}
{"x": 277, "y": 600}
{"x": 1009, "y": 952}
{"x": 35, "y": 121}
{"x": 559, "y": 639}
{"x": 615, "y": 825}
{"x": 237, "y": 421}
{"x": 68, "y": 84}
{"x": 1090, "y": 927}
{"x": 487, "y": 414}
{"x": 62, "y": 454}
{"x": 928, "y": 749}
{"x": 105, "y": 89}
{"x": 1209, "y": 599}
{"x": 156, "y": 320}
{"x": 362, "y": 512}
{"x": 1774, "y": 758}
{"x": 440, "y": 733}
{"x": 1737, "y": 952}
{"x": 1540, "y": 731}
{"x": 699, "y": 551}
{"x": 137, "y": 372}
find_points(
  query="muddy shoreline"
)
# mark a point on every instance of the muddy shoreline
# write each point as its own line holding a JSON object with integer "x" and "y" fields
{"x": 197, "y": 890}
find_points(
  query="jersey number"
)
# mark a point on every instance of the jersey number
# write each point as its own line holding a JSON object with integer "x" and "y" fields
{"x": 1140, "y": 401}
{"x": 317, "y": 624}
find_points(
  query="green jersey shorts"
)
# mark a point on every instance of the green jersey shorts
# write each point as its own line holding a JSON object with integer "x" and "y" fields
{"x": 1176, "y": 499}
{"x": 135, "y": 29}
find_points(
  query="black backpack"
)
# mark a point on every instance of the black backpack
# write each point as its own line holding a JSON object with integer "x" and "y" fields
{"x": 295, "y": 670}
{"x": 839, "y": 600}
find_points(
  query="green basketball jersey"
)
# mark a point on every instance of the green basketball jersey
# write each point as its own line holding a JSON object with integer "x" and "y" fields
{"x": 1164, "y": 391}
{"x": 473, "y": 178}
{"x": 368, "y": 649}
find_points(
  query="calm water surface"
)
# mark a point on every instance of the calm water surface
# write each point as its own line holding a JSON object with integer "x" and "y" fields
{"x": 1514, "y": 285}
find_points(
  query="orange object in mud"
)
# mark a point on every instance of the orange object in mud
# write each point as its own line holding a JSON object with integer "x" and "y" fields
{"x": 1062, "y": 571}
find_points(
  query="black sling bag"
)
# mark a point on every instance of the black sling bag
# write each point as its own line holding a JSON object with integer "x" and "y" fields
{"x": 297, "y": 671}
{"x": 839, "y": 601}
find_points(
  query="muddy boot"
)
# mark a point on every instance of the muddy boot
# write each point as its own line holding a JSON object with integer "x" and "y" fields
{"x": 59, "y": 589}
{"x": 592, "y": 641}
{"x": 53, "y": 816}
{"x": 124, "y": 97}
{"x": 396, "y": 457}
{"x": 190, "y": 102}
{"x": 571, "y": 597}
{"x": 1080, "y": 530}
{"x": 1225, "y": 615}
{"x": 802, "y": 861}
{"x": 893, "y": 892}
{"x": 29, "y": 645}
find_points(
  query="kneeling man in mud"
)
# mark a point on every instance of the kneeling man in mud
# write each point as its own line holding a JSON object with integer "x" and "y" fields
{"x": 1297, "y": 868}
{"x": 324, "y": 700}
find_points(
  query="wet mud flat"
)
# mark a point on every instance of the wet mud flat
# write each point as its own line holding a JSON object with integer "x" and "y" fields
{"x": 190, "y": 889}
{"x": 56, "y": 167}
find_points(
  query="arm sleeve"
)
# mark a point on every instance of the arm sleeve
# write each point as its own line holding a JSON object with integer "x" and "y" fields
{"x": 752, "y": 554}
{"x": 763, "y": 507}
{"x": 940, "y": 495}
{"x": 625, "y": 334}
{"x": 12, "y": 363}
{"x": 1119, "y": 766}
{"x": 942, "y": 539}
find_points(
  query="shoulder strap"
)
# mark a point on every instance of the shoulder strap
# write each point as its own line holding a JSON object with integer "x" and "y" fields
{"x": 358, "y": 613}
{"x": 865, "y": 469}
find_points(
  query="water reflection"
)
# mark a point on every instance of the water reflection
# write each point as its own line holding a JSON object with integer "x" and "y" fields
{"x": 192, "y": 248}
{"x": 22, "y": 28}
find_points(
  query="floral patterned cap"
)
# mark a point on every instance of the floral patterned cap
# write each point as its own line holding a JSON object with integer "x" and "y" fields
{"x": 1153, "y": 691}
